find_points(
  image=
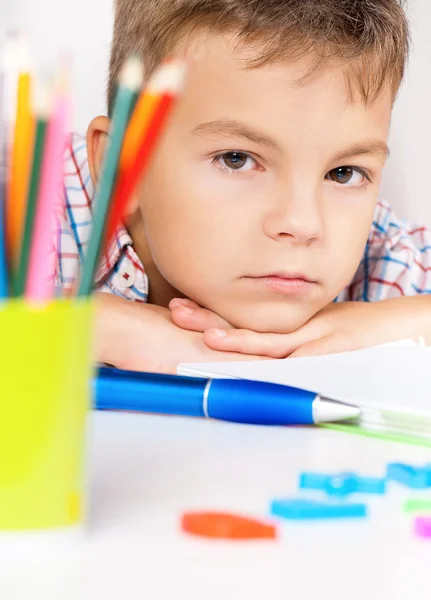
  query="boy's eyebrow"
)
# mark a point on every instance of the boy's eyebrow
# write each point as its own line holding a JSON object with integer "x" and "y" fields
{"x": 377, "y": 147}
{"x": 232, "y": 128}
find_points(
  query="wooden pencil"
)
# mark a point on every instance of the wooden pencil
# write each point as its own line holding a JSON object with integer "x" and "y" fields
{"x": 155, "y": 106}
{"x": 130, "y": 82}
{"x": 3, "y": 144}
{"x": 42, "y": 111}
{"x": 136, "y": 127}
{"x": 39, "y": 286}
{"x": 21, "y": 149}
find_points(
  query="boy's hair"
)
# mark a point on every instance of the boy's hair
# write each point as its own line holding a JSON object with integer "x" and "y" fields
{"x": 369, "y": 37}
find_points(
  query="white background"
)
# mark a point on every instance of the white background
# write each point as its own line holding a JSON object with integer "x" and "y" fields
{"x": 83, "y": 28}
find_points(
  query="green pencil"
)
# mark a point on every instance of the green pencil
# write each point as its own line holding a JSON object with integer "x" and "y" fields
{"x": 43, "y": 105}
{"x": 129, "y": 85}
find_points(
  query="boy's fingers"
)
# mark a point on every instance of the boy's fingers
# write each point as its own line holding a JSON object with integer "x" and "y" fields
{"x": 175, "y": 302}
{"x": 273, "y": 345}
{"x": 196, "y": 319}
{"x": 328, "y": 344}
{"x": 325, "y": 345}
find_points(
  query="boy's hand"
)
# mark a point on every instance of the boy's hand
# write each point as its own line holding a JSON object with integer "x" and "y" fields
{"x": 340, "y": 327}
{"x": 142, "y": 337}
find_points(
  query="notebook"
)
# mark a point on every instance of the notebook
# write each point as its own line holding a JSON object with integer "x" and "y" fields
{"x": 391, "y": 384}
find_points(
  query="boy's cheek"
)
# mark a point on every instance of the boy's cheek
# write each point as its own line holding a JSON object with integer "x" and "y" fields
{"x": 209, "y": 273}
{"x": 202, "y": 256}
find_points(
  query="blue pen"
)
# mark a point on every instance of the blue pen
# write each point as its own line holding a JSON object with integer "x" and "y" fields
{"x": 236, "y": 400}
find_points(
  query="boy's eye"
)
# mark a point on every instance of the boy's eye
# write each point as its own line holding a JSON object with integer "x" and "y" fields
{"x": 351, "y": 176}
{"x": 235, "y": 161}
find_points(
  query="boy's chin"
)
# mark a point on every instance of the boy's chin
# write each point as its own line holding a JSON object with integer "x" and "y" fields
{"x": 269, "y": 319}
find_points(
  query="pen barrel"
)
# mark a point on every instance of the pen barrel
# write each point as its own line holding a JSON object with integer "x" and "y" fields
{"x": 259, "y": 403}
{"x": 149, "y": 393}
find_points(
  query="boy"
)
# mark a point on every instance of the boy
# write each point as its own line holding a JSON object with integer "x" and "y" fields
{"x": 257, "y": 230}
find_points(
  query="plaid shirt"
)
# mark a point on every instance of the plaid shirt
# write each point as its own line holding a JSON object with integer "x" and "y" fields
{"x": 396, "y": 260}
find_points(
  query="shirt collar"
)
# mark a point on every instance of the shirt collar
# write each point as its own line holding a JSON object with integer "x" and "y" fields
{"x": 119, "y": 244}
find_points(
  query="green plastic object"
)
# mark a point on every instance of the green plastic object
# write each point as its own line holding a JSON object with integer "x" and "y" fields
{"x": 417, "y": 505}
{"x": 45, "y": 374}
{"x": 389, "y": 437}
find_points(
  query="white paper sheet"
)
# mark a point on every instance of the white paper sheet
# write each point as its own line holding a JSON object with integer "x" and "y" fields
{"x": 388, "y": 379}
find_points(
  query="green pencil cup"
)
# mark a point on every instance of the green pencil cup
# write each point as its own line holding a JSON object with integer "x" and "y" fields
{"x": 46, "y": 377}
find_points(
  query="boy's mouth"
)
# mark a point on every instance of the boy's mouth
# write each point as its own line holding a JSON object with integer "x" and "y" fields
{"x": 285, "y": 283}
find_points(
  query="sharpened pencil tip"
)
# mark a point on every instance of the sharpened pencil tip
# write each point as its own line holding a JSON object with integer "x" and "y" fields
{"x": 16, "y": 53}
{"x": 132, "y": 74}
{"x": 43, "y": 97}
{"x": 169, "y": 78}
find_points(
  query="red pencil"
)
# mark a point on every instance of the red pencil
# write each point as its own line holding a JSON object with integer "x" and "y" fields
{"x": 165, "y": 85}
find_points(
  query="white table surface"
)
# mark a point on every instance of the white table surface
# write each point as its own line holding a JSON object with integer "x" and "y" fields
{"x": 147, "y": 470}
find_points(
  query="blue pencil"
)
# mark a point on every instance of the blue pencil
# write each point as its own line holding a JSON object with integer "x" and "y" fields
{"x": 3, "y": 147}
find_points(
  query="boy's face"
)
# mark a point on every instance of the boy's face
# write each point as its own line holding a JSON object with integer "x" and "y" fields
{"x": 261, "y": 194}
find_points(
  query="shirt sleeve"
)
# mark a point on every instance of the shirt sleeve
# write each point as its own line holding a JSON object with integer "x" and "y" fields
{"x": 397, "y": 258}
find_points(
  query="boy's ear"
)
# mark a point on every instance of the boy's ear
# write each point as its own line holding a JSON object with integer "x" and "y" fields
{"x": 97, "y": 139}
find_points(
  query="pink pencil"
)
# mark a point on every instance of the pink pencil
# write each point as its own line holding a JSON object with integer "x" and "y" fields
{"x": 39, "y": 287}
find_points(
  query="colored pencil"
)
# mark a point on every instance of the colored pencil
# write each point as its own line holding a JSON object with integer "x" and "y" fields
{"x": 130, "y": 82}
{"x": 39, "y": 287}
{"x": 21, "y": 149}
{"x": 9, "y": 70}
{"x": 3, "y": 144}
{"x": 137, "y": 126}
{"x": 42, "y": 111}
{"x": 144, "y": 131}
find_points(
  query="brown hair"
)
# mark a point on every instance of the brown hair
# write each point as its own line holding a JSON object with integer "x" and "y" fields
{"x": 371, "y": 37}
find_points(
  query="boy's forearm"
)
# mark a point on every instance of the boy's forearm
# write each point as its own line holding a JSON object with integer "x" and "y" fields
{"x": 340, "y": 327}
{"x": 140, "y": 336}
{"x": 423, "y": 305}
{"x": 416, "y": 310}
{"x": 110, "y": 328}
{"x": 124, "y": 332}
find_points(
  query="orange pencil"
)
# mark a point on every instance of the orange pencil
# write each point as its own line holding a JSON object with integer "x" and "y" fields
{"x": 146, "y": 124}
{"x": 138, "y": 124}
{"x": 21, "y": 151}
{"x": 136, "y": 128}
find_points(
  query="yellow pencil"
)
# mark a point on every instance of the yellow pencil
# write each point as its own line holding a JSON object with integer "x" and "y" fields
{"x": 21, "y": 150}
{"x": 143, "y": 113}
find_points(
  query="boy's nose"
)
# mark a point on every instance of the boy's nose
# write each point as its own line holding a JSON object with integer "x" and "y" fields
{"x": 295, "y": 217}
